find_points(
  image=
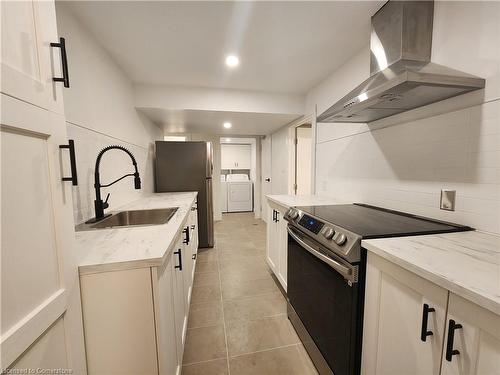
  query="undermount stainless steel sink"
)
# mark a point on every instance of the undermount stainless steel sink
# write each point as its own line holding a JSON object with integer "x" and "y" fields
{"x": 136, "y": 217}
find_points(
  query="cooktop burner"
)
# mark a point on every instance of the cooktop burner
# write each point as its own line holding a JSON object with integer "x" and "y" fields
{"x": 375, "y": 222}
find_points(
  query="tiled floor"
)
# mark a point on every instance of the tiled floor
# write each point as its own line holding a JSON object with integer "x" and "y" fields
{"x": 237, "y": 320}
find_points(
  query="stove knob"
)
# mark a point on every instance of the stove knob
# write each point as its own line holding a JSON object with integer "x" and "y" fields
{"x": 340, "y": 239}
{"x": 328, "y": 233}
{"x": 293, "y": 213}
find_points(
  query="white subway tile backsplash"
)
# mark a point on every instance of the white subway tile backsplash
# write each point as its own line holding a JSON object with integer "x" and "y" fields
{"x": 405, "y": 166}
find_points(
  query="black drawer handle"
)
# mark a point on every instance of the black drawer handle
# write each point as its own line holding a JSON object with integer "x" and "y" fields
{"x": 179, "y": 254}
{"x": 186, "y": 239}
{"x": 425, "y": 317}
{"x": 72, "y": 158}
{"x": 450, "y": 352}
{"x": 64, "y": 60}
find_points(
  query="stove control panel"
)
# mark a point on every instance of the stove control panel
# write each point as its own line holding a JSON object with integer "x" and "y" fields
{"x": 311, "y": 224}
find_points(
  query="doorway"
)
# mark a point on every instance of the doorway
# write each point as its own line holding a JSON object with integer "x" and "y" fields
{"x": 303, "y": 161}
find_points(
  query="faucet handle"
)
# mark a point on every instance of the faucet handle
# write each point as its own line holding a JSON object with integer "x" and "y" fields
{"x": 105, "y": 204}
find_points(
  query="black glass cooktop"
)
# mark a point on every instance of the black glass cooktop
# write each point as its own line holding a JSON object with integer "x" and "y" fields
{"x": 374, "y": 222}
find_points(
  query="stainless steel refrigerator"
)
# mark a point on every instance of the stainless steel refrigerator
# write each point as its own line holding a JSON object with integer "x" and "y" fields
{"x": 188, "y": 166}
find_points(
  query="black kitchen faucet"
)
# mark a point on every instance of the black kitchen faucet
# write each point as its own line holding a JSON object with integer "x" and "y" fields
{"x": 99, "y": 205}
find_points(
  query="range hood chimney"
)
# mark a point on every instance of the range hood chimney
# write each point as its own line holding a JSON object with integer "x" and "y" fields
{"x": 402, "y": 77}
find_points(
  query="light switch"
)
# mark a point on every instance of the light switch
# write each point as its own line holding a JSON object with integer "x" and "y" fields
{"x": 448, "y": 200}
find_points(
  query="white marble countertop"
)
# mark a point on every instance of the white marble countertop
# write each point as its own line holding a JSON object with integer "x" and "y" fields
{"x": 465, "y": 263}
{"x": 288, "y": 201}
{"x": 133, "y": 247}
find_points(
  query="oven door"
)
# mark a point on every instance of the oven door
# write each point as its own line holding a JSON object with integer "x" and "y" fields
{"x": 324, "y": 305}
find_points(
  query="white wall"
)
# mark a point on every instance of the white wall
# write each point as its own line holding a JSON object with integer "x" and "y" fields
{"x": 403, "y": 162}
{"x": 100, "y": 111}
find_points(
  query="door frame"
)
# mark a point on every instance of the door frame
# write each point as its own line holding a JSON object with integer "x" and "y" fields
{"x": 292, "y": 155}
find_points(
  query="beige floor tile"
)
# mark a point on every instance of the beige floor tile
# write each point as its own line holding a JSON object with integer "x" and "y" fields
{"x": 205, "y": 314}
{"x": 281, "y": 361}
{"x": 204, "y": 344}
{"x": 248, "y": 308}
{"x": 206, "y": 278}
{"x": 210, "y": 266}
{"x": 248, "y": 336}
{"x": 216, "y": 367}
{"x": 233, "y": 288}
{"x": 207, "y": 293}
{"x": 206, "y": 255}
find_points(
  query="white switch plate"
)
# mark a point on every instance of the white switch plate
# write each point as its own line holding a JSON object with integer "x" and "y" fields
{"x": 448, "y": 200}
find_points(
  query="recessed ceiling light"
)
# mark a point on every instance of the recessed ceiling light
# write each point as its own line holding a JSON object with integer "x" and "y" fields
{"x": 227, "y": 125}
{"x": 232, "y": 61}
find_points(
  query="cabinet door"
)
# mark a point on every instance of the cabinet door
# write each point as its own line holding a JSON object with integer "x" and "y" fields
{"x": 282, "y": 248}
{"x": 180, "y": 308}
{"x": 393, "y": 321}
{"x": 271, "y": 241}
{"x": 477, "y": 340}
{"x": 28, "y": 62}
{"x": 187, "y": 263}
{"x": 165, "y": 320}
{"x": 40, "y": 289}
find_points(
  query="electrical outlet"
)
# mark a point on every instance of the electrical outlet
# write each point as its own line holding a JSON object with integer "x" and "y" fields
{"x": 448, "y": 200}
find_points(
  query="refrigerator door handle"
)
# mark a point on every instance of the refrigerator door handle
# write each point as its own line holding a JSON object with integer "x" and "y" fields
{"x": 210, "y": 212}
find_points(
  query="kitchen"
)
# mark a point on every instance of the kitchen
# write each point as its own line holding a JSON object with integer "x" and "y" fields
{"x": 116, "y": 255}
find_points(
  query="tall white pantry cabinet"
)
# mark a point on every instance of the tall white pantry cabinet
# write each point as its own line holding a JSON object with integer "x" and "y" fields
{"x": 41, "y": 325}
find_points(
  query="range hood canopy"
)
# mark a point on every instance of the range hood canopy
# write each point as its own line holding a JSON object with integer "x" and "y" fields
{"x": 401, "y": 74}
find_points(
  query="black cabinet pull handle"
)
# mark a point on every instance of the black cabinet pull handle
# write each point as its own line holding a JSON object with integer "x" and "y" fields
{"x": 179, "y": 254}
{"x": 450, "y": 352}
{"x": 274, "y": 216}
{"x": 277, "y": 216}
{"x": 72, "y": 158}
{"x": 193, "y": 226}
{"x": 186, "y": 239}
{"x": 425, "y": 317}
{"x": 64, "y": 60}
{"x": 268, "y": 180}
{"x": 194, "y": 256}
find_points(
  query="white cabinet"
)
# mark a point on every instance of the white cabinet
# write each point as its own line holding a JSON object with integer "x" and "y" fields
{"x": 41, "y": 312}
{"x": 277, "y": 242}
{"x": 236, "y": 156}
{"x": 136, "y": 319}
{"x": 28, "y": 62}
{"x": 476, "y": 340}
{"x": 401, "y": 307}
{"x": 394, "y": 319}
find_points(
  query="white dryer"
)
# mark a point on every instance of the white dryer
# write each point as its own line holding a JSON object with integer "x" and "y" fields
{"x": 239, "y": 193}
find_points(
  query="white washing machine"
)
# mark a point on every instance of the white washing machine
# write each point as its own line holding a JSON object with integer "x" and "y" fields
{"x": 239, "y": 193}
{"x": 223, "y": 193}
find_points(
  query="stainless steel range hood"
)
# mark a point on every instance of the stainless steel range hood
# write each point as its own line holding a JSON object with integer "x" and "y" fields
{"x": 402, "y": 76}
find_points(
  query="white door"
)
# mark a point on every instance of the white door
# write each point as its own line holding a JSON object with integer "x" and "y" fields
{"x": 473, "y": 346}
{"x": 165, "y": 321}
{"x": 40, "y": 289}
{"x": 180, "y": 307}
{"x": 394, "y": 320}
{"x": 280, "y": 162}
{"x": 266, "y": 175}
{"x": 282, "y": 249}
{"x": 28, "y": 62}
{"x": 272, "y": 240}
{"x": 303, "y": 163}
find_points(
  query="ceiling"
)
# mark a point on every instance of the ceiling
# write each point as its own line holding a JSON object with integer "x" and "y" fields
{"x": 210, "y": 122}
{"x": 286, "y": 47}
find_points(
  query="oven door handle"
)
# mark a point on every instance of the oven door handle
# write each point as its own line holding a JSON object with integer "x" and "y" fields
{"x": 340, "y": 268}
